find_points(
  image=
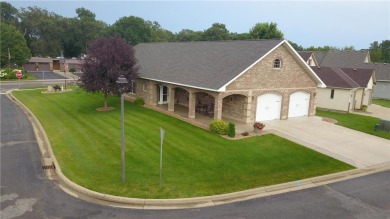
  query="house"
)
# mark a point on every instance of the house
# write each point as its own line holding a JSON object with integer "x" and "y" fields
{"x": 242, "y": 81}
{"x": 38, "y": 64}
{"x": 50, "y": 64}
{"x": 308, "y": 57}
{"x": 346, "y": 88}
{"x": 358, "y": 59}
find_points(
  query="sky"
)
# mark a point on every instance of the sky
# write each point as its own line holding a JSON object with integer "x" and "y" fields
{"x": 306, "y": 23}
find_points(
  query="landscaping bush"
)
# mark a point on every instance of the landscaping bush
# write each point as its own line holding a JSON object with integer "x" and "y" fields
{"x": 10, "y": 73}
{"x": 245, "y": 134}
{"x": 231, "y": 132}
{"x": 139, "y": 101}
{"x": 57, "y": 87}
{"x": 364, "y": 108}
{"x": 72, "y": 70}
{"x": 218, "y": 126}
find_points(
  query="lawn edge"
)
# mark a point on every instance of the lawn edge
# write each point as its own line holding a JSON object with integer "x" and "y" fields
{"x": 55, "y": 174}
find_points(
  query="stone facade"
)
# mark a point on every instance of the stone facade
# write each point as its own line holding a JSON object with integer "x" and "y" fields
{"x": 239, "y": 100}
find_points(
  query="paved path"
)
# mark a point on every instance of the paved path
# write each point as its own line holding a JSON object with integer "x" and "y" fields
{"x": 375, "y": 111}
{"x": 354, "y": 147}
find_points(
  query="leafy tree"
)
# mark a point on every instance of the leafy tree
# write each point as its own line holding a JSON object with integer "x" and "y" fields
{"x": 348, "y": 48}
{"x": 89, "y": 28}
{"x": 239, "y": 36}
{"x": 158, "y": 34}
{"x": 296, "y": 46}
{"x": 8, "y": 13}
{"x": 266, "y": 31}
{"x": 325, "y": 48}
{"x": 216, "y": 32}
{"x": 186, "y": 35}
{"x": 107, "y": 59}
{"x": 133, "y": 29}
{"x": 44, "y": 31}
{"x": 13, "y": 41}
{"x": 385, "y": 47}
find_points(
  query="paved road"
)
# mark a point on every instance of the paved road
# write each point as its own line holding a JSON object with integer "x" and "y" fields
{"x": 27, "y": 193}
{"x": 46, "y": 75}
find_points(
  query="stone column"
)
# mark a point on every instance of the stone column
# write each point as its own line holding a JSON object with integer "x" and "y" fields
{"x": 191, "y": 105}
{"x": 171, "y": 101}
{"x": 218, "y": 107}
{"x": 248, "y": 109}
{"x": 285, "y": 105}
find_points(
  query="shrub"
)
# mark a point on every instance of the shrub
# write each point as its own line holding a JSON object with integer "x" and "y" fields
{"x": 218, "y": 126}
{"x": 139, "y": 101}
{"x": 231, "y": 132}
{"x": 73, "y": 70}
{"x": 245, "y": 134}
{"x": 364, "y": 108}
{"x": 56, "y": 87}
{"x": 10, "y": 73}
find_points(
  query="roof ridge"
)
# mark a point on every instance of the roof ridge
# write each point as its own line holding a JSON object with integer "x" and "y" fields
{"x": 345, "y": 76}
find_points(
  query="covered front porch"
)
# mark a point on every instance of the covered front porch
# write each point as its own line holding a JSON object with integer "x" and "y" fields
{"x": 201, "y": 120}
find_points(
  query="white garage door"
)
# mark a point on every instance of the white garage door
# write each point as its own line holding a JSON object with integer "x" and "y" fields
{"x": 268, "y": 107}
{"x": 299, "y": 104}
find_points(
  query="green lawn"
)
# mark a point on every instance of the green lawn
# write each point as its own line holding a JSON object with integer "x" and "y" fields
{"x": 196, "y": 162}
{"x": 357, "y": 122}
{"x": 381, "y": 102}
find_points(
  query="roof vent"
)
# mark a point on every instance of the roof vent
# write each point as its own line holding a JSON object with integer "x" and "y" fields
{"x": 318, "y": 67}
{"x": 354, "y": 69}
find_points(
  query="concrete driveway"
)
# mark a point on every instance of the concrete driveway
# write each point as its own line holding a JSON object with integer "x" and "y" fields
{"x": 353, "y": 147}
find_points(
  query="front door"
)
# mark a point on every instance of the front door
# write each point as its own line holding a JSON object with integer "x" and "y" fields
{"x": 163, "y": 97}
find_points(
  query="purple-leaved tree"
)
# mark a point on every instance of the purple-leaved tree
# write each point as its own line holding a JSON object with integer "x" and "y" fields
{"x": 107, "y": 59}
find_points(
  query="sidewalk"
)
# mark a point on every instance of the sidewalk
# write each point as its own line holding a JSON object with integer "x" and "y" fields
{"x": 375, "y": 111}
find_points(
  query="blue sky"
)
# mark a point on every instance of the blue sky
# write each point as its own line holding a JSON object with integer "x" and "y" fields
{"x": 307, "y": 23}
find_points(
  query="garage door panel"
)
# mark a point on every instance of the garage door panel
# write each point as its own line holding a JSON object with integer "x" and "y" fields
{"x": 268, "y": 107}
{"x": 299, "y": 104}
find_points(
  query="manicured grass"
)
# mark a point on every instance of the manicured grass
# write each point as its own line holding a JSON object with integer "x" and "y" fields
{"x": 381, "y": 102}
{"x": 357, "y": 122}
{"x": 196, "y": 162}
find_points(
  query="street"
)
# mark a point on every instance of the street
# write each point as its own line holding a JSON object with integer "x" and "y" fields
{"x": 27, "y": 193}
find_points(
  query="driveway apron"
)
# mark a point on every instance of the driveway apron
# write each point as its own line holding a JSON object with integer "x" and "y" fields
{"x": 353, "y": 147}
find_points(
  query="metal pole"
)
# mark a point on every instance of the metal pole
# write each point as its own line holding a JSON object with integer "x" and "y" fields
{"x": 123, "y": 140}
{"x": 43, "y": 81}
{"x": 19, "y": 84}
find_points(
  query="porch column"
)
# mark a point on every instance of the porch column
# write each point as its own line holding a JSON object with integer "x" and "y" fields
{"x": 171, "y": 101}
{"x": 248, "y": 109}
{"x": 191, "y": 105}
{"x": 218, "y": 107}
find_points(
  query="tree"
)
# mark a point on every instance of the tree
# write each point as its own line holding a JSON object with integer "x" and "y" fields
{"x": 266, "y": 31}
{"x": 385, "y": 47}
{"x": 216, "y": 32}
{"x": 133, "y": 29}
{"x": 375, "y": 52}
{"x": 186, "y": 35}
{"x": 296, "y": 46}
{"x": 44, "y": 31}
{"x": 12, "y": 41}
{"x": 107, "y": 59}
{"x": 8, "y": 13}
{"x": 158, "y": 34}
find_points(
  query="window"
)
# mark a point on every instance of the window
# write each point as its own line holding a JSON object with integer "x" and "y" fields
{"x": 144, "y": 87}
{"x": 132, "y": 89}
{"x": 277, "y": 63}
{"x": 332, "y": 94}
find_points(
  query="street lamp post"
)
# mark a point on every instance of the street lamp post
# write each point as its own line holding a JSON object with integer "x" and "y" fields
{"x": 121, "y": 81}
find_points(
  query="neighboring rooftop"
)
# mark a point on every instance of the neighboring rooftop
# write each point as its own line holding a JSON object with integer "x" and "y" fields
{"x": 204, "y": 64}
{"x": 343, "y": 59}
{"x": 344, "y": 77}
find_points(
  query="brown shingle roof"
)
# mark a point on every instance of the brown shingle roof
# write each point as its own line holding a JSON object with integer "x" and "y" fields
{"x": 344, "y": 77}
{"x": 305, "y": 55}
{"x": 40, "y": 60}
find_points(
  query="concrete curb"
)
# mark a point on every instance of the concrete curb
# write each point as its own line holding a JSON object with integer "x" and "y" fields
{"x": 182, "y": 203}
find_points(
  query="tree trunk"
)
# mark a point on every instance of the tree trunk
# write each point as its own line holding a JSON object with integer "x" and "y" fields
{"x": 105, "y": 100}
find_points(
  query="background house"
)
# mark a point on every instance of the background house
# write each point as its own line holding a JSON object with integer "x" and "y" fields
{"x": 346, "y": 88}
{"x": 243, "y": 81}
{"x": 38, "y": 64}
{"x": 358, "y": 59}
